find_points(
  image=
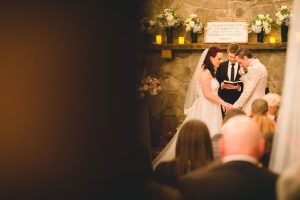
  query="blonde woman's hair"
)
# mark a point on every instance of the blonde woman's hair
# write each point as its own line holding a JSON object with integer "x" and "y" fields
{"x": 266, "y": 124}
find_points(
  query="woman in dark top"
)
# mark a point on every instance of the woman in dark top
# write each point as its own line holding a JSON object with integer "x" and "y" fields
{"x": 193, "y": 150}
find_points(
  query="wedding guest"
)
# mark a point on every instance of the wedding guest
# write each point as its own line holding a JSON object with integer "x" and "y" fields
{"x": 288, "y": 184}
{"x": 239, "y": 176}
{"x": 193, "y": 151}
{"x": 228, "y": 70}
{"x": 259, "y": 107}
{"x": 268, "y": 128}
{"x": 216, "y": 138}
{"x": 255, "y": 80}
{"x": 273, "y": 100}
{"x": 233, "y": 112}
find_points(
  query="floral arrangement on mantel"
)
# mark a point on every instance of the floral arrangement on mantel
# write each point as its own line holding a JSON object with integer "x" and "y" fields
{"x": 148, "y": 26}
{"x": 261, "y": 23}
{"x": 148, "y": 86}
{"x": 283, "y": 16}
{"x": 193, "y": 24}
{"x": 168, "y": 18}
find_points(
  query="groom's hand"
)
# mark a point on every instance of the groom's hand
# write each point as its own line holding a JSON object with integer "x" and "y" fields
{"x": 226, "y": 106}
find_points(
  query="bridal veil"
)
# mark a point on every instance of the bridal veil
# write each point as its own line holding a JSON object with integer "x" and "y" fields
{"x": 191, "y": 94}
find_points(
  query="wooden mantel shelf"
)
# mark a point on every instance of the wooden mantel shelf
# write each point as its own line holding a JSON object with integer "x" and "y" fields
{"x": 198, "y": 46}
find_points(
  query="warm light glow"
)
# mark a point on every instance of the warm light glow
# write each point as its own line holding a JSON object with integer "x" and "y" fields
{"x": 181, "y": 40}
{"x": 272, "y": 40}
{"x": 158, "y": 39}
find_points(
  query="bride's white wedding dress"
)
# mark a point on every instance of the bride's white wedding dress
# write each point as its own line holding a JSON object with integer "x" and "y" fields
{"x": 202, "y": 109}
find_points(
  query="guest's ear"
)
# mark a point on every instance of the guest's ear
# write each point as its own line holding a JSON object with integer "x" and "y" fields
{"x": 222, "y": 147}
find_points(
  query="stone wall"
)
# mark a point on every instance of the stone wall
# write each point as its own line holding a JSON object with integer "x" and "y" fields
{"x": 175, "y": 74}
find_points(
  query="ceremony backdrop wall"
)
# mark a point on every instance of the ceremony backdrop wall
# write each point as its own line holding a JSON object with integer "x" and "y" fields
{"x": 176, "y": 73}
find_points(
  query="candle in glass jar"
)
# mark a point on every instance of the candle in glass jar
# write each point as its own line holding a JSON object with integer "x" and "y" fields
{"x": 181, "y": 40}
{"x": 158, "y": 39}
{"x": 272, "y": 40}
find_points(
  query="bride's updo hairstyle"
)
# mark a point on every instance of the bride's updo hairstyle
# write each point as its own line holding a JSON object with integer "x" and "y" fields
{"x": 207, "y": 64}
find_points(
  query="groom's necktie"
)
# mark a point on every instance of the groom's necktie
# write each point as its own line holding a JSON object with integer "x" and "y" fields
{"x": 232, "y": 72}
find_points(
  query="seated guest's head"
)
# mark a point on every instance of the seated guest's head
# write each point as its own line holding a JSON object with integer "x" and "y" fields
{"x": 241, "y": 136}
{"x": 193, "y": 147}
{"x": 259, "y": 107}
{"x": 274, "y": 104}
{"x": 217, "y": 137}
{"x": 233, "y": 112}
{"x": 288, "y": 184}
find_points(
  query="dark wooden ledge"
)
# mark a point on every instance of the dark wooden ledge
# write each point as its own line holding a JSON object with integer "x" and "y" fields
{"x": 201, "y": 46}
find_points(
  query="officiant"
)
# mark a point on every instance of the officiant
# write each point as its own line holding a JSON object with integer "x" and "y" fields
{"x": 228, "y": 71}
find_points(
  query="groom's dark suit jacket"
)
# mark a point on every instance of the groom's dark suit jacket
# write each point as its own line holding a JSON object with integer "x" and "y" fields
{"x": 229, "y": 96}
{"x": 235, "y": 180}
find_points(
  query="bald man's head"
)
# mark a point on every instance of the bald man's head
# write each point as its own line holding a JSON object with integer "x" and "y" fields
{"x": 241, "y": 135}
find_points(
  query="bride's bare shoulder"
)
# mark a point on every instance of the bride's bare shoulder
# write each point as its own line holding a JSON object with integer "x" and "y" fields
{"x": 205, "y": 72}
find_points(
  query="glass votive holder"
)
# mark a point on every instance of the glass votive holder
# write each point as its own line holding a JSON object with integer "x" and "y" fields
{"x": 181, "y": 40}
{"x": 272, "y": 40}
{"x": 158, "y": 39}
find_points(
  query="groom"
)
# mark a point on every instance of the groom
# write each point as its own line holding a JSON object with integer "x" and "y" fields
{"x": 228, "y": 70}
{"x": 255, "y": 80}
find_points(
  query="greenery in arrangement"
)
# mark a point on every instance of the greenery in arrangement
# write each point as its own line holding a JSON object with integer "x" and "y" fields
{"x": 283, "y": 16}
{"x": 192, "y": 23}
{"x": 168, "y": 18}
{"x": 261, "y": 23}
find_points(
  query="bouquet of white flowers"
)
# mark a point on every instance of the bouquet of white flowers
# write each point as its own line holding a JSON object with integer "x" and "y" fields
{"x": 148, "y": 26}
{"x": 148, "y": 85}
{"x": 261, "y": 23}
{"x": 192, "y": 23}
{"x": 283, "y": 16}
{"x": 168, "y": 18}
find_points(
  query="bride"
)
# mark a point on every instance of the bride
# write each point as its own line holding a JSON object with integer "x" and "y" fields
{"x": 202, "y": 100}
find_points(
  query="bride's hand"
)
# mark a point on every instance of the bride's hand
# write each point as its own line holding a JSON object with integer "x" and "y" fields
{"x": 226, "y": 106}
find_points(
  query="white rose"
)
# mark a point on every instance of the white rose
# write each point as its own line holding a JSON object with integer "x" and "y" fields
{"x": 265, "y": 23}
{"x": 278, "y": 22}
{"x": 281, "y": 18}
{"x": 192, "y": 23}
{"x": 169, "y": 17}
{"x": 267, "y": 29}
{"x": 188, "y": 28}
{"x": 197, "y": 29}
{"x": 172, "y": 23}
{"x": 258, "y": 22}
{"x": 283, "y": 7}
{"x": 256, "y": 29}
